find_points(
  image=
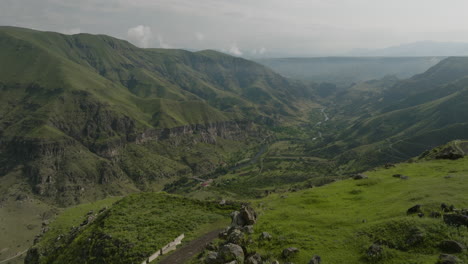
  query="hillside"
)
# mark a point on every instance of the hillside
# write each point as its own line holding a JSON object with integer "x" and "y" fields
{"x": 341, "y": 222}
{"x": 78, "y": 111}
{"x": 388, "y": 120}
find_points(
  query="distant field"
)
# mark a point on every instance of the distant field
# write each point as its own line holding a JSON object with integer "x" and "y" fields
{"x": 344, "y": 71}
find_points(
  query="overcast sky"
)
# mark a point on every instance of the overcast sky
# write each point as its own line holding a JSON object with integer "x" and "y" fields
{"x": 250, "y": 27}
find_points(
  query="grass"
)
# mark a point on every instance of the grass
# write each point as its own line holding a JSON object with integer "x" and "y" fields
{"x": 132, "y": 229}
{"x": 341, "y": 220}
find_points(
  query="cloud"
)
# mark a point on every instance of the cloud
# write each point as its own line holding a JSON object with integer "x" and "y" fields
{"x": 140, "y": 36}
{"x": 235, "y": 50}
{"x": 72, "y": 31}
{"x": 163, "y": 44}
{"x": 199, "y": 36}
{"x": 262, "y": 51}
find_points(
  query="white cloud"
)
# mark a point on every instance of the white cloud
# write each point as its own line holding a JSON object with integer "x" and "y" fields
{"x": 235, "y": 50}
{"x": 163, "y": 44}
{"x": 199, "y": 36}
{"x": 140, "y": 36}
{"x": 71, "y": 31}
{"x": 262, "y": 51}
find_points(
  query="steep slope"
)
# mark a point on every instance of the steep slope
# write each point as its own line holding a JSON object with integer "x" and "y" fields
{"x": 391, "y": 122}
{"x": 78, "y": 113}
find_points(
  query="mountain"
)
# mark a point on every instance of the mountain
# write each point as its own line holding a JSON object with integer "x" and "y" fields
{"x": 399, "y": 119}
{"x": 417, "y": 49}
{"x": 344, "y": 71}
{"x": 85, "y": 116}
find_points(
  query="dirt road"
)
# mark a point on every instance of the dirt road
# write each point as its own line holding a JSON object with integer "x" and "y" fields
{"x": 188, "y": 251}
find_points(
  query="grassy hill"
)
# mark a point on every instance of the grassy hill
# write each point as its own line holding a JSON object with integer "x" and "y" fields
{"x": 70, "y": 106}
{"x": 342, "y": 220}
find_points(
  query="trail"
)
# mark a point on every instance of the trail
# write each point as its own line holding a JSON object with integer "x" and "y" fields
{"x": 325, "y": 119}
{"x": 17, "y": 255}
{"x": 188, "y": 251}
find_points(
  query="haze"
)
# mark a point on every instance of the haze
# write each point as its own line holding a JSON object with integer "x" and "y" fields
{"x": 250, "y": 28}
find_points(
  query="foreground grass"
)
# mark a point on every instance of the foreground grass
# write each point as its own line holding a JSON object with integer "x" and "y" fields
{"x": 341, "y": 220}
{"x": 132, "y": 229}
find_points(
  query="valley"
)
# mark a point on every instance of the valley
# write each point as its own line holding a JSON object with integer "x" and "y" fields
{"x": 108, "y": 152}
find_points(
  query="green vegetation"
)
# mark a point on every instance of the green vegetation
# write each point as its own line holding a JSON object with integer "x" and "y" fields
{"x": 128, "y": 232}
{"x": 342, "y": 220}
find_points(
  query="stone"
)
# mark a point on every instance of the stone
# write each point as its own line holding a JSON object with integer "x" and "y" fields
{"x": 375, "y": 251}
{"x": 236, "y": 219}
{"x": 448, "y": 259}
{"x": 316, "y": 259}
{"x": 265, "y": 236}
{"x": 415, "y": 209}
{"x": 421, "y": 215}
{"x": 222, "y": 202}
{"x": 212, "y": 258}
{"x": 230, "y": 252}
{"x": 249, "y": 229}
{"x": 360, "y": 176}
{"x": 451, "y": 246}
{"x": 275, "y": 262}
{"x": 415, "y": 237}
{"x": 289, "y": 252}
{"x": 249, "y": 215}
{"x": 211, "y": 246}
{"x": 254, "y": 259}
{"x": 235, "y": 236}
{"x": 456, "y": 220}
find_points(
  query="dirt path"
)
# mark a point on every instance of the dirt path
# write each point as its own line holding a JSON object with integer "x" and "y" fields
{"x": 188, "y": 251}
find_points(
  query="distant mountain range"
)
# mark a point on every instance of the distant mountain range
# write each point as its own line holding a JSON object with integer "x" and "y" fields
{"x": 416, "y": 49}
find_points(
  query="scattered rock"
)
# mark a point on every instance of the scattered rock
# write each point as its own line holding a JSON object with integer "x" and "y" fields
{"x": 246, "y": 216}
{"x": 265, "y": 236}
{"x": 212, "y": 258}
{"x": 447, "y": 259}
{"x": 396, "y": 175}
{"x": 416, "y": 236}
{"x": 222, "y": 202}
{"x": 254, "y": 259}
{"x": 249, "y": 229}
{"x": 249, "y": 215}
{"x": 375, "y": 251}
{"x": 451, "y": 246}
{"x": 456, "y": 220}
{"x": 211, "y": 246}
{"x": 403, "y": 177}
{"x": 230, "y": 252}
{"x": 449, "y": 153}
{"x": 360, "y": 176}
{"x": 414, "y": 209}
{"x": 389, "y": 165}
{"x": 21, "y": 197}
{"x": 275, "y": 262}
{"x": 421, "y": 215}
{"x": 288, "y": 252}
{"x": 316, "y": 259}
{"x": 235, "y": 236}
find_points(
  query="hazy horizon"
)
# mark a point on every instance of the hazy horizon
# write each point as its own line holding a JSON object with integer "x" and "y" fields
{"x": 261, "y": 29}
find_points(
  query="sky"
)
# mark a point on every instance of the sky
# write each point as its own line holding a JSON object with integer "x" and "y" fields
{"x": 250, "y": 28}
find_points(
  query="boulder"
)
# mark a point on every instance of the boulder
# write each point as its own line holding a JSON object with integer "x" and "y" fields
{"x": 212, "y": 258}
{"x": 254, "y": 259}
{"x": 449, "y": 153}
{"x": 415, "y": 209}
{"x": 230, "y": 252}
{"x": 265, "y": 236}
{"x": 451, "y": 246}
{"x": 249, "y": 229}
{"x": 211, "y": 246}
{"x": 456, "y": 220}
{"x": 222, "y": 202}
{"x": 448, "y": 259}
{"x": 375, "y": 251}
{"x": 248, "y": 215}
{"x": 360, "y": 176}
{"x": 237, "y": 219}
{"x": 289, "y": 252}
{"x": 316, "y": 259}
{"x": 235, "y": 236}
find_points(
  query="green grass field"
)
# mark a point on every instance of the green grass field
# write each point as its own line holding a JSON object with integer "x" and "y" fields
{"x": 342, "y": 220}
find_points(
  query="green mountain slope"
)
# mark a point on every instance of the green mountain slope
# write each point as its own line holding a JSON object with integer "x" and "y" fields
{"x": 385, "y": 121}
{"x": 70, "y": 106}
